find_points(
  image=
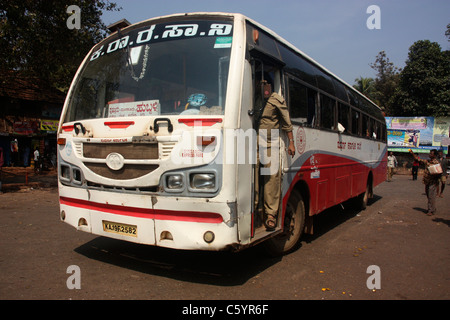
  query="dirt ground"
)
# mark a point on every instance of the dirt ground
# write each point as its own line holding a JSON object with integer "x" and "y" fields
{"x": 17, "y": 178}
{"x": 411, "y": 250}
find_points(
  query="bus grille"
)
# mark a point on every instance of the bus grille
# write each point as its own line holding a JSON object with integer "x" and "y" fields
{"x": 129, "y": 171}
{"x": 127, "y": 150}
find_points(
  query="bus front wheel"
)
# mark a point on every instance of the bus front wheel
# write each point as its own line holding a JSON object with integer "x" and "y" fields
{"x": 294, "y": 223}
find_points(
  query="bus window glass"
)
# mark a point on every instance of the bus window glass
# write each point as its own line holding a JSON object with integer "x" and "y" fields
{"x": 343, "y": 116}
{"x": 324, "y": 82}
{"x": 327, "y": 112}
{"x": 373, "y": 129}
{"x": 302, "y": 103}
{"x": 383, "y": 135}
{"x": 312, "y": 96}
{"x": 355, "y": 121}
{"x": 352, "y": 98}
{"x": 298, "y": 66}
{"x": 298, "y": 101}
{"x": 365, "y": 126}
{"x": 340, "y": 90}
{"x": 165, "y": 69}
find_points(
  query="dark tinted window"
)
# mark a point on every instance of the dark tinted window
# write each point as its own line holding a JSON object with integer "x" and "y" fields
{"x": 298, "y": 66}
{"x": 324, "y": 82}
{"x": 340, "y": 91}
{"x": 344, "y": 116}
{"x": 355, "y": 121}
{"x": 365, "y": 126}
{"x": 302, "y": 103}
{"x": 327, "y": 106}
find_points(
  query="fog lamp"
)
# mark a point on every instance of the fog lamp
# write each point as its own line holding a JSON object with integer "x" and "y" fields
{"x": 208, "y": 236}
{"x": 65, "y": 172}
{"x": 203, "y": 181}
{"x": 175, "y": 181}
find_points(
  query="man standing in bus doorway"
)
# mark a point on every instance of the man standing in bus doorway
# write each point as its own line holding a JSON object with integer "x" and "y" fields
{"x": 430, "y": 180}
{"x": 275, "y": 115}
{"x": 391, "y": 164}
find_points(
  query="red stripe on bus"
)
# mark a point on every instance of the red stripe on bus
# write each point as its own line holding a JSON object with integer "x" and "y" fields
{"x": 67, "y": 128}
{"x": 200, "y": 122}
{"x": 157, "y": 214}
{"x": 119, "y": 124}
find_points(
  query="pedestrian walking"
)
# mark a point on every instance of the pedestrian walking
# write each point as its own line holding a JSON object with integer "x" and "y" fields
{"x": 415, "y": 169}
{"x": 37, "y": 166}
{"x": 430, "y": 179}
{"x": 443, "y": 178}
{"x": 392, "y": 164}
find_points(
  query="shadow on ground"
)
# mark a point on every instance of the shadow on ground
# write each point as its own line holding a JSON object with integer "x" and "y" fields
{"x": 217, "y": 268}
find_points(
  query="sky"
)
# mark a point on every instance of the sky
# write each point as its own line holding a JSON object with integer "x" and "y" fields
{"x": 332, "y": 32}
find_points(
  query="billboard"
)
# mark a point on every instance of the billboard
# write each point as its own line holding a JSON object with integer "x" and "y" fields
{"x": 421, "y": 134}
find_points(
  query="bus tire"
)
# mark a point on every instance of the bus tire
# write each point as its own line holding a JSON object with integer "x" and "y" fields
{"x": 294, "y": 223}
{"x": 363, "y": 199}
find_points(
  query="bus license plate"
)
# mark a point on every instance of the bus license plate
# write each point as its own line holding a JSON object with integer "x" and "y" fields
{"x": 120, "y": 228}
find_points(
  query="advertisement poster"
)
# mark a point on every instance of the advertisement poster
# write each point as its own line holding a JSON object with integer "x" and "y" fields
{"x": 421, "y": 134}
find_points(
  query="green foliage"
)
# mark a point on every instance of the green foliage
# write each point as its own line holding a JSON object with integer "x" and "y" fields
{"x": 424, "y": 86}
{"x": 386, "y": 81}
{"x": 366, "y": 87}
{"x": 35, "y": 39}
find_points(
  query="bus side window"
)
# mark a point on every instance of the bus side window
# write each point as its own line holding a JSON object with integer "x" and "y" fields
{"x": 302, "y": 103}
{"x": 298, "y": 101}
{"x": 312, "y": 107}
{"x": 365, "y": 126}
{"x": 373, "y": 129}
{"x": 379, "y": 131}
{"x": 344, "y": 116}
{"x": 327, "y": 112}
{"x": 355, "y": 122}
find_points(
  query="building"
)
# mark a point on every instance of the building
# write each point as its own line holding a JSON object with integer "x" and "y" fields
{"x": 29, "y": 117}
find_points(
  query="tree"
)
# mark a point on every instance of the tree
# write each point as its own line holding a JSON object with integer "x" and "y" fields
{"x": 424, "y": 87}
{"x": 447, "y": 32}
{"x": 385, "y": 82}
{"x": 366, "y": 87}
{"x": 35, "y": 39}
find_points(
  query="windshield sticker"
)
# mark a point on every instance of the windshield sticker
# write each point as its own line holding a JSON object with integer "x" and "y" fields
{"x": 223, "y": 42}
{"x": 134, "y": 109}
{"x": 165, "y": 32}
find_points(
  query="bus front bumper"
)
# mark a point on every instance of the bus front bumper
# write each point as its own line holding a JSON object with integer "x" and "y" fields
{"x": 190, "y": 224}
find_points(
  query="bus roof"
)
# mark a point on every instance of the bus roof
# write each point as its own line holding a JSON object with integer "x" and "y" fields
{"x": 259, "y": 25}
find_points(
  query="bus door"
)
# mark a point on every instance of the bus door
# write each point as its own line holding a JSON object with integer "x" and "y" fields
{"x": 266, "y": 79}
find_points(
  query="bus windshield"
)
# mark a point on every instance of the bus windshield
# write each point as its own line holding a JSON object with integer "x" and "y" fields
{"x": 164, "y": 69}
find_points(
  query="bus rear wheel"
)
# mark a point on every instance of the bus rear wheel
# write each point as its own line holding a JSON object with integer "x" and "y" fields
{"x": 363, "y": 199}
{"x": 294, "y": 223}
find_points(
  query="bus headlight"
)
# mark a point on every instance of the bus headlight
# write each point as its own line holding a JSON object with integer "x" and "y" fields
{"x": 174, "y": 181}
{"x": 65, "y": 172}
{"x": 203, "y": 181}
{"x": 70, "y": 174}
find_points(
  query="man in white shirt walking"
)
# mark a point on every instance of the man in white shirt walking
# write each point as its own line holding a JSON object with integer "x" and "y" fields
{"x": 391, "y": 164}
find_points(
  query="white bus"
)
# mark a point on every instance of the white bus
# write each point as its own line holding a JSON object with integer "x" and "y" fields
{"x": 156, "y": 143}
